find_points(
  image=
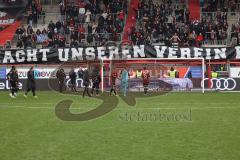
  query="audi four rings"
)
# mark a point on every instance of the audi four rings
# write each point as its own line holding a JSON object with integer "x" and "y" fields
{"x": 219, "y": 81}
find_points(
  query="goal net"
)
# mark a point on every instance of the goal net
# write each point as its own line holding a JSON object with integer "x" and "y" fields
{"x": 189, "y": 74}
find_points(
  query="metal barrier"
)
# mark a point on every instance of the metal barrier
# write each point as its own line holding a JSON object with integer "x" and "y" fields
{"x": 49, "y": 2}
{"x": 44, "y": 18}
{"x": 109, "y": 37}
{"x": 230, "y": 9}
{"x": 231, "y": 16}
{"x": 215, "y": 42}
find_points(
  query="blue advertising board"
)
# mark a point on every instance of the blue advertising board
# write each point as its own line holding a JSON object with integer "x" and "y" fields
{"x": 3, "y": 73}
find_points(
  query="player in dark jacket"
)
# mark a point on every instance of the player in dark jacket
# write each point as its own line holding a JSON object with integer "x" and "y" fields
{"x": 61, "y": 76}
{"x": 12, "y": 77}
{"x": 80, "y": 73}
{"x": 73, "y": 77}
{"x": 31, "y": 84}
{"x": 96, "y": 79}
{"x": 86, "y": 82}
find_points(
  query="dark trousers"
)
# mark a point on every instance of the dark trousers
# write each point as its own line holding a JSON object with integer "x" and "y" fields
{"x": 14, "y": 87}
{"x": 113, "y": 89}
{"x": 145, "y": 86}
{"x": 61, "y": 85}
{"x": 73, "y": 86}
{"x": 86, "y": 90}
{"x": 95, "y": 85}
{"x": 31, "y": 87}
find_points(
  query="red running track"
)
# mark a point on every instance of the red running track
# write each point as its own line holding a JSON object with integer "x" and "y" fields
{"x": 8, "y": 33}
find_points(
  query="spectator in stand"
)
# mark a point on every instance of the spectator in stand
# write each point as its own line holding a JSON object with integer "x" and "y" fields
{"x": 19, "y": 32}
{"x": 34, "y": 9}
{"x": 29, "y": 30}
{"x": 62, "y": 11}
{"x": 121, "y": 16}
{"x": 74, "y": 35}
{"x": 213, "y": 36}
{"x": 199, "y": 40}
{"x": 74, "y": 43}
{"x": 19, "y": 43}
{"x": 187, "y": 15}
{"x": 192, "y": 37}
{"x": 51, "y": 26}
{"x": 58, "y": 26}
{"x": 175, "y": 39}
{"x": 44, "y": 34}
{"x": 81, "y": 31}
{"x": 33, "y": 38}
{"x": 30, "y": 20}
{"x": 39, "y": 36}
{"x": 88, "y": 16}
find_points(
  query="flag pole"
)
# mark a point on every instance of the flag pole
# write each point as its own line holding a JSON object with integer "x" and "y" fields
{"x": 209, "y": 74}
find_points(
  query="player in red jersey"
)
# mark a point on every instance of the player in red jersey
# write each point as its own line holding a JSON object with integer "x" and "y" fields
{"x": 113, "y": 79}
{"x": 146, "y": 78}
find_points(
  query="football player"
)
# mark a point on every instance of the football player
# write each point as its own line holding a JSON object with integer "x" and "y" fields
{"x": 124, "y": 81}
{"x": 113, "y": 79}
{"x": 145, "y": 78}
{"x": 12, "y": 77}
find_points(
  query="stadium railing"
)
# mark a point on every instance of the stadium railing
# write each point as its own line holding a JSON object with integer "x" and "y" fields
{"x": 49, "y": 2}
{"x": 106, "y": 36}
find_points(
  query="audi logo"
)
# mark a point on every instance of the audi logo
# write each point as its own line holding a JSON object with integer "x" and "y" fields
{"x": 222, "y": 84}
{"x": 78, "y": 85}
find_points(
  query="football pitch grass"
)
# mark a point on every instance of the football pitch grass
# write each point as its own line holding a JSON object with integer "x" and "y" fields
{"x": 175, "y": 126}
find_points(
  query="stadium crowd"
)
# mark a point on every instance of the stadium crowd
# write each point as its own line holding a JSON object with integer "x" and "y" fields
{"x": 168, "y": 23}
{"x": 92, "y": 23}
{"x": 218, "y": 12}
{"x": 222, "y": 5}
{"x": 34, "y": 9}
{"x": 96, "y": 22}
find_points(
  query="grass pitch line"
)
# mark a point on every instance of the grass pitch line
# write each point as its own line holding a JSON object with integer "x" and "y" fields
{"x": 214, "y": 103}
{"x": 122, "y": 109}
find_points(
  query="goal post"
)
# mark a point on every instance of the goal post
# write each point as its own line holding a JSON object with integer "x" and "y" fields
{"x": 191, "y": 73}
